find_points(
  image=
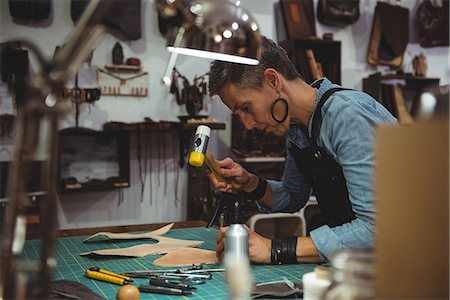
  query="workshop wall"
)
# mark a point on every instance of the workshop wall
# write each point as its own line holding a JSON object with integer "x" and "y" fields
{"x": 161, "y": 201}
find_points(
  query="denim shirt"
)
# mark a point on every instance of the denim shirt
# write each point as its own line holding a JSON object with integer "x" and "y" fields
{"x": 347, "y": 134}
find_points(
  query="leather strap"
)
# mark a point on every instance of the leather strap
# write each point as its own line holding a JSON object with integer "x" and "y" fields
{"x": 284, "y": 251}
{"x": 259, "y": 192}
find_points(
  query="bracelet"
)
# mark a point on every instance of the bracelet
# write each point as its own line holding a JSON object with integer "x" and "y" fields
{"x": 284, "y": 251}
{"x": 259, "y": 192}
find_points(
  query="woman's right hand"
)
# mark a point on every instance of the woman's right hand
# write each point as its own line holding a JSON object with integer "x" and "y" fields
{"x": 239, "y": 179}
{"x": 259, "y": 248}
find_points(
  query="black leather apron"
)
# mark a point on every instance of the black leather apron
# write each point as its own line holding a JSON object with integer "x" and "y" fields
{"x": 324, "y": 174}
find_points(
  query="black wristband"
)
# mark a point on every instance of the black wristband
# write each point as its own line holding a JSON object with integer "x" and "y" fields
{"x": 259, "y": 192}
{"x": 284, "y": 251}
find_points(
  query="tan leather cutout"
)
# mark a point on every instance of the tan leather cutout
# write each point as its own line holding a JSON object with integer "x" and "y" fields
{"x": 164, "y": 245}
{"x": 132, "y": 236}
{"x": 187, "y": 257}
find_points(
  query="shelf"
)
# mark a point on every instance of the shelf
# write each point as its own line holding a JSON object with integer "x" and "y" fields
{"x": 123, "y": 68}
{"x": 121, "y": 126}
{"x": 185, "y": 131}
{"x": 326, "y": 52}
{"x": 380, "y": 87}
{"x": 93, "y": 160}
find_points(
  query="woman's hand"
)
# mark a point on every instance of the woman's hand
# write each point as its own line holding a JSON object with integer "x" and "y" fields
{"x": 239, "y": 179}
{"x": 258, "y": 247}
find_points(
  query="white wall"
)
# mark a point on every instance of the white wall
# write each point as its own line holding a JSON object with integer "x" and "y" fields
{"x": 106, "y": 208}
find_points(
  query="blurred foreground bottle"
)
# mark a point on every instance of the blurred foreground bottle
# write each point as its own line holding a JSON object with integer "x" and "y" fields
{"x": 237, "y": 263}
{"x": 353, "y": 275}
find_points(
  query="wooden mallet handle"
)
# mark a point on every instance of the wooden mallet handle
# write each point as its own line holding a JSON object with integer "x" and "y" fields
{"x": 214, "y": 167}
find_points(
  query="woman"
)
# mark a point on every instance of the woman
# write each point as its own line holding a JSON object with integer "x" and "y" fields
{"x": 330, "y": 134}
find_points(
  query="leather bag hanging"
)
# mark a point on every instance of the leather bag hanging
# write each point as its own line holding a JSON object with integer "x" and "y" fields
{"x": 123, "y": 17}
{"x": 389, "y": 35}
{"x": 298, "y": 18}
{"x": 30, "y": 9}
{"x": 432, "y": 23}
{"x": 338, "y": 12}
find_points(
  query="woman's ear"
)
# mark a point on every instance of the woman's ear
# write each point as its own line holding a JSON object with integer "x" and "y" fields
{"x": 272, "y": 78}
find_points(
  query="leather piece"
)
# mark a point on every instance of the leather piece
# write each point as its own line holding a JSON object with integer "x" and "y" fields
{"x": 389, "y": 35}
{"x": 338, "y": 12}
{"x": 298, "y": 17}
{"x": 132, "y": 236}
{"x": 165, "y": 245}
{"x": 66, "y": 289}
{"x": 432, "y": 24}
{"x": 276, "y": 289}
{"x": 187, "y": 257}
{"x": 394, "y": 29}
{"x": 123, "y": 17}
{"x": 30, "y": 9}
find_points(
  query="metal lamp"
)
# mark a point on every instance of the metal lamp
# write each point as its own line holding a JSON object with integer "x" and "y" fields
{"x": 220, "y": 30}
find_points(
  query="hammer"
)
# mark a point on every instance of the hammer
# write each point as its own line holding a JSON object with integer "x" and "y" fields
{"x": 201, "y": 154}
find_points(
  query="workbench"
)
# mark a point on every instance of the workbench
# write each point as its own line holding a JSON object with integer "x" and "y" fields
{"x": 71, "y": 266}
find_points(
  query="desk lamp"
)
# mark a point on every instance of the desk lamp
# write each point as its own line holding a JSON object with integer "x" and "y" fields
{"x": 214, "y": 29}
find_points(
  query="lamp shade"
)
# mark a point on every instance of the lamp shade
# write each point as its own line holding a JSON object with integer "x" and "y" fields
{"x": 219, "y": 30}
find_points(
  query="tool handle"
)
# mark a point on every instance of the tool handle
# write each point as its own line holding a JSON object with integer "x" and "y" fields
{"x": 115, "y": 274}
{"x": 162, "y": 290}
{"x": 105, "y": 277}
{"x": 214, "y": 167}
{"x": 169, "y": 284}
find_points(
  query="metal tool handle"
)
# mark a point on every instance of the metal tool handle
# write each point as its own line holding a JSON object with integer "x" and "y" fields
{"x": 162, "y": 290}
{"x": 169, "y": 284}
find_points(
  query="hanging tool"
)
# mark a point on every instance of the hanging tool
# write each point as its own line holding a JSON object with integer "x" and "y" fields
{"x": 175, "y": 166}
{"x": 104, "y": 275}
{"x": 159, "y": 153}
{"x": 164, "y": 155}
{"x": 149, "y": 142}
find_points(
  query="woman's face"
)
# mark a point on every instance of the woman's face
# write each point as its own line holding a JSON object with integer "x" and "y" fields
{"x": 253, "y": 107}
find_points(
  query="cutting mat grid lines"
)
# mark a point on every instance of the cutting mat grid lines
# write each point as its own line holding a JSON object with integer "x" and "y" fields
{"x": 71, "y": 266}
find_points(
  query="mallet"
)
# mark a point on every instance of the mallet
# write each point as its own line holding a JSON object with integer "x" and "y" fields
{"x": 201, "y": 154}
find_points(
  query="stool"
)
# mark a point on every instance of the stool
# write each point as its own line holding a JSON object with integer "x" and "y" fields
{"x": 300, "y": 214}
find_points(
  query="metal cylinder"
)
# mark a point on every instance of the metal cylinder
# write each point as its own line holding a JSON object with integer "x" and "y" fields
{"x": 236, "y": 242}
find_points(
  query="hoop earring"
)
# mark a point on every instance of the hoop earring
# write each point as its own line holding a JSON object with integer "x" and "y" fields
{"x": 286, "y": 109}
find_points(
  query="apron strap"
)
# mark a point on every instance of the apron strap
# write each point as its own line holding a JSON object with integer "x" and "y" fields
{"x": 317, "y": 118}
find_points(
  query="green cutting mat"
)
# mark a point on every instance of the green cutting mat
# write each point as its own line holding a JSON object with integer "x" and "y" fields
{"x": 71, "y": 266}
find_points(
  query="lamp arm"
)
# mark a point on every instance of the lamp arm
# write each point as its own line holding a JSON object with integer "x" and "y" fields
{"x": 88, "y": 31}
{"x": 37, "y": 127}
